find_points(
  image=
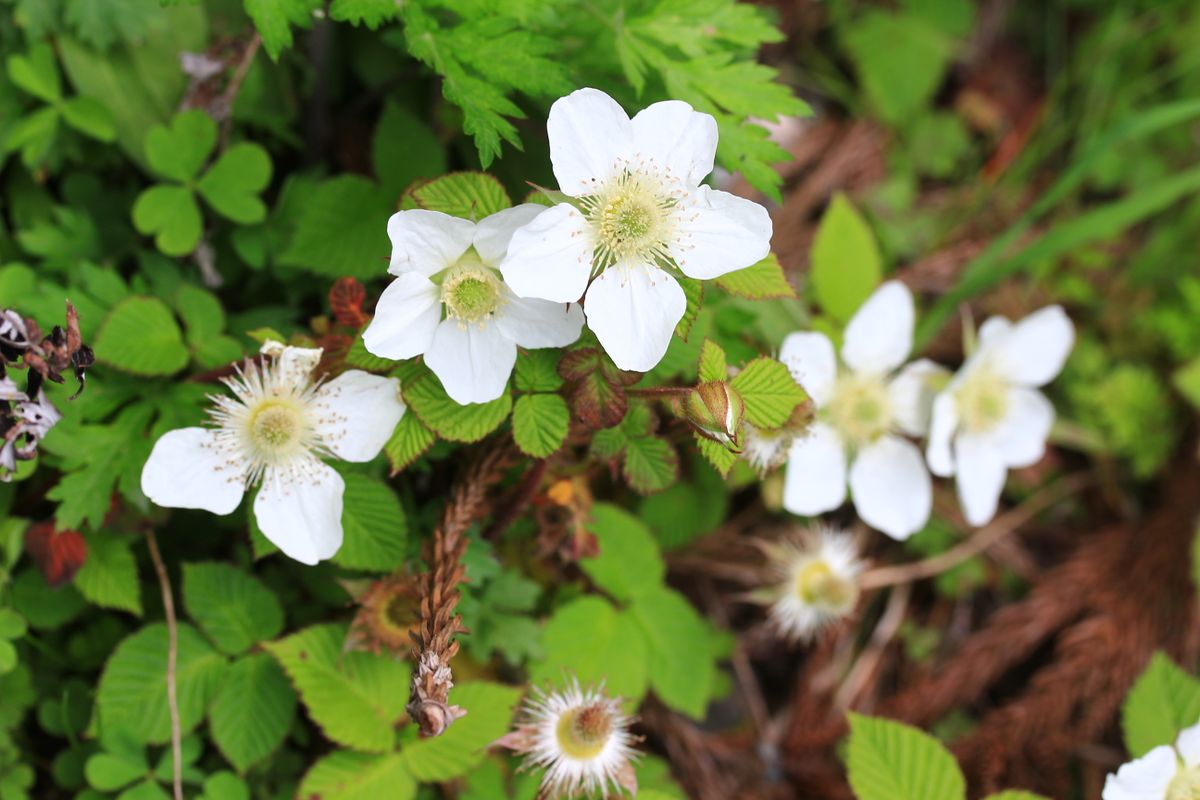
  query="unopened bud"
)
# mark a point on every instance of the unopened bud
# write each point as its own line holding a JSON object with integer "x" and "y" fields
{"x": 716, "y": 410}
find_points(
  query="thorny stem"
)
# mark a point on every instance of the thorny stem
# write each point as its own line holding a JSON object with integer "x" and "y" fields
{"x": 172, "y": 651}
{"x": 659, "y": 391}
{"x": 984, "y": 538}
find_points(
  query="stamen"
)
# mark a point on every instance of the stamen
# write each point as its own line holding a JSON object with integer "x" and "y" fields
{"x": 471, "y": 291}
{"x": 632, "y": 216}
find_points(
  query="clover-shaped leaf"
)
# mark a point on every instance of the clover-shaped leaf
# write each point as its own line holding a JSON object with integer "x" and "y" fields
{"x": 178, "y": 152}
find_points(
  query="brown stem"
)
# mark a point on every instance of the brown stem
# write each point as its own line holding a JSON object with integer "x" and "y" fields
{"x": 521, "y": 497}
{"x": 172, "y": 651}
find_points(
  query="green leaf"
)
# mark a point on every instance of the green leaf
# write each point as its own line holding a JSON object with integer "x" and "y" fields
{"x": 1187, "y": 381}
{"x": 171, "y": 215}
{"x": 589, "y": 639}
{"x": 540, "y": 423}
{"x": 346, "y": 775}
{"x": 682, "y": 669}
{"x": 537, "y": 371}
{"x": 770, "y": 392}
{"x": 342, "y": 230}
{"x": 43, "y": 607}
{"x": 846, "y": 266}
{"x": 471, "y": 195}
{"x": 201, "y": 311}
{"x": 887, "y": 760}
{"x": 1162, "y": 702}
{"x": 629, "y": 563}
{"x": 374, "y": 525}
{"x": 762, "y": 281}
{"x": 252, "y": 711}
{"x": 133, "y": 687}
{"x": 109, "y": 575}
{"x": 470, "y": 423}
{"x": 464, "y": 745}
{"x": 356, "y": 698}
{"x": 693, "y": 290}
{"x": 36, "y": 73}
{"x": 232, "y": 184}
{"x": 409, "y": 441}
{"x": 274, "y": 19}
{"x": 179, "y": 150}
{"x": 225, "y": 786}
{"x": 716, "y": 454}
{"x": 712, "y": 362}
{"x": 900, "y": 60}
{"x": 88, "y": 116}
{"x": 651, "y": 464}
{"x": 140, "y": 335}
{"x": 371, "y": 13}
{"x": 12, "y": 624}
{"x": 33, "y": 136}
{"x": 404, "y": 148}
{"x": 110, "y": 771}
{"x": 232, "y": 607}
{"x": 102, "y": 22}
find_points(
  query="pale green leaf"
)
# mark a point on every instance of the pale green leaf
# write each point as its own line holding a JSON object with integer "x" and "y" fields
{"x": 179, "y": 150}
{"x": 489, "y": 708}
{"x": 109, "y": 575}
{"x": 712, "y": 362}
{"x": 140, "y": 335}
{"x": 371, "y": 13}
{"x": 231, "y": 606}
{"x": 1162, "y": 702}
{"x": 762, "y": 281}
{"x": 347, "y": 775}
{"x": 628, "y": 564}
{"x": 470, "y": 423}
{"x": 471, "y": 195}
{"x": 252, "y": 710}
{"x": 846, "y": 265}
{"x": 231, "y": 185}
{"x": 682, "y": 671}
{"x": 888, "y": 760}
{"x": 590, "y": 640}
{"x": 37, "y": 73}
{"x": 375, "y": 528}
{"x": 171, "y": 215}
{"x": 769, "y": 391}
{"x": 409, "y": 441}
{"x": 274, "y": 20}
{"x": 651, "y": 464}
{"x": 540, "y": 423}
{"x": 537, "y": 371}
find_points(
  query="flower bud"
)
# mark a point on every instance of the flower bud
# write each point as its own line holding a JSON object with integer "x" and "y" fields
{"x": 716, "y": 410}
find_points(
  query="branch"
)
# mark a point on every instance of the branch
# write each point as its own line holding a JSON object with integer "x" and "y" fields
{"x": 172, "y": 650}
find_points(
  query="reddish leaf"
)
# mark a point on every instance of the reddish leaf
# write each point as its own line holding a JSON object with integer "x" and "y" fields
{"x": 597, "y": 387}
{"x": 346, "y": 298}
{"x": 59, "y": 555}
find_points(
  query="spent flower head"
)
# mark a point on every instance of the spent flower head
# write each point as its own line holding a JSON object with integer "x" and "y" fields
{"x": 991, "y": 417}
{"x": 449, "y": 303}
{"x": 865, "y": 408}
{"x": 818, "y": 573}
{"x": 637, "y": 217}
{"x": 580, "y": 737}
{"x": 1165, "y": 773}
{"x": 275, "y": 429}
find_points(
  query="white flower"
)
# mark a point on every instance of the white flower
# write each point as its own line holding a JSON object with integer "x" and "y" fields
{"x": 580, "y": 737}
{"x": 818, "y": 574}
{"x": 765, "y": 450}
{"x": 638, "y": 211}
{"x": 1165, "y": 773}
{"x": 863, "y": 412}
{"x": 274, "y": 431}
{"x": 449, "y": 303}
{"x": 991, "y": 417}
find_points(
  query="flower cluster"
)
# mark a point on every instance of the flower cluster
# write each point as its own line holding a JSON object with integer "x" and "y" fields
{"x": 981, "y": 422}
{"x": 1165, "y": 773}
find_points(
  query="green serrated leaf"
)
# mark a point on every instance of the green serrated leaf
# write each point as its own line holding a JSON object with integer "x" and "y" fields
{"x": 888, "y": 760}
{"x": 846, "y": 265}
{"x": 371, "y": 13}
{"x": 590, "y": 640}
{"x": 252, "y": 711}
{"x": 356, "y": 698}
{"x": 109, "y": 575}
{"x": 540, "y": 423}
{"x": 628, "y": 564}
{"x": 470, "y": 195}
{"x": 409, "y": 442}
{"x": 231, "y": 185}
{"x": 1162, "y": 702}
{"x": 463, "y": 746}
{"x": 375, "y": 528}
{"x": 712, "y": 362}
{"x": 693, "y": 290}
{"x": 762, "y": 281}
{"x": 537, "y": 371}
{"x": 140, "y": 335}
{"x": 274, "y": 20}
{"x": 231, "y": 606}
{"x": 342, "y": 229}
{"x": 404, "y": 148}
{"x": 132, "y": 693}
{"x": 770, "y": 392}
{"x": 651, "y": 464}
{"x": 718, "y": 455}
{"x": 347, "y": 775}
{"x": 470, "y": 423}
{"x": 682, "y": 669}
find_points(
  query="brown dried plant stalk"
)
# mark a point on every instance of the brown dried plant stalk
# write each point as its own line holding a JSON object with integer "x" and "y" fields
{"x": 435, "y": 637}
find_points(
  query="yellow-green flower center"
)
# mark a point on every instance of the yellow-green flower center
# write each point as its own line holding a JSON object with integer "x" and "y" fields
{"x": 1186, "y": 785}
{"x": 859, "y": 408}
{"x": 631, "y": 217}
{"x": 818, "y": 584}
{"x": 583, "y": 732}
{"x": 470, "y": 293}
{"x": 982, "y": 400}
{"x": 276, "y": 425}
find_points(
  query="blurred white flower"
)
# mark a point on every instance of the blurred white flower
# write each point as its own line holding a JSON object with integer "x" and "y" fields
{"x": 638, "y": 210}
{"x": 863, "y": 413}
{"x": 275, "y": 430}
{"x": 991, "y": 417}
{"x": 765, "y": 450}
{"x": 818, "y": 572}
{"x": 1165, "y": 773}
{"x": 580, "y": 737}
{"x": 449, "y": 303}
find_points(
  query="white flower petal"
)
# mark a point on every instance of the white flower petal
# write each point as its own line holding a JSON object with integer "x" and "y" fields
{"x": 1145, "y": 778}
{"x": 633, "y": 310}
{"x": 891, "y": 487}
{"x": 405, "y": 317}
{"x": 815, "y": 478}
{"x": 810, "y": 358}
{"x": 1021, "y": 435}
{"x": 1036, "y": 348}
{"x": 981, "y": 473}
{"x": 493, "y": 233}
{"x": 187, "y": 469}
{"x": 993, "y": 331}
{"x": 550, "y": 257}
{"x": 911, "y": 395}
{"x": 539, "y": 323}
{"x": 356, "y": 412}
{"x": 677, "y": 138}
{"x": 473, "y": 361}
{"x": 590, "y": 134}
{"x": 942, "y": 426}
{"x": 718, "y": 233}
{"x": 427, "y": 242}
{"x": 300, "y": 511}
{"x": 1188, "y": 745}
{"x": 879, "y": 335}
